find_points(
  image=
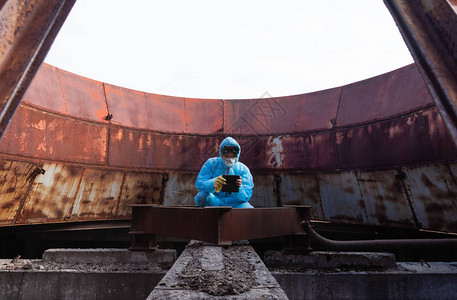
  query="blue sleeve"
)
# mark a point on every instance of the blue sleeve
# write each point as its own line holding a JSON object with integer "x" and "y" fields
{"x": 245, "y": 192}
{"x": 205, "y": 179}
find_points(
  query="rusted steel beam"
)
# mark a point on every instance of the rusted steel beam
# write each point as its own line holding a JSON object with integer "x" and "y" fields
{"x": 27, "y": 30}
{"x": 214, "y": 224}
{"x": 429, "y": 28}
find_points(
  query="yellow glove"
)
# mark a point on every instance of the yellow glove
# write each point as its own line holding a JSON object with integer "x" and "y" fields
{"x": 219, "y": 182}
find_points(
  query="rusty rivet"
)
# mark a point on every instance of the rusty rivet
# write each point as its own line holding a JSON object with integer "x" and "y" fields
{"x": 108, "y": 117}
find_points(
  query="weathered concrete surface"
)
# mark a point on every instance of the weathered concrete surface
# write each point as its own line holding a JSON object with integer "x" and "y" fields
{"x": 433, "y": 280}
{"x": 76, "y": 285}
{"x": 212, "y": 258}
{"x": 265, "y": 286}
{"x": 106, "y": 256}
{"x": 330, "y": 259}
{"x": 85, "y": 274}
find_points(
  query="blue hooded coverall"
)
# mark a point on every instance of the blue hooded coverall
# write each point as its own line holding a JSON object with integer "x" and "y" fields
{"x": 215, "y": 167}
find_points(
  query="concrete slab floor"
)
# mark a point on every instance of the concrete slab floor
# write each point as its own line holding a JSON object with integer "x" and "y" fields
{"x": 234, "y": 272}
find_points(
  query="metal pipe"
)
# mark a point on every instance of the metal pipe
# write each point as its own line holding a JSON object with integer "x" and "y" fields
{"x": 375, "y": 245}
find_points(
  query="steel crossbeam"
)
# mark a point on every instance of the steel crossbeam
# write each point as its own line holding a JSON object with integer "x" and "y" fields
{"x": 216, "y": 225}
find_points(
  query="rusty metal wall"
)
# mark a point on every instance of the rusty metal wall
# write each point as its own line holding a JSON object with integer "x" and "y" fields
{"x": 375, "y": 152}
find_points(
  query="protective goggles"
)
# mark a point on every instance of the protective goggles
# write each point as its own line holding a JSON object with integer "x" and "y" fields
{"x": 230, "y": 149}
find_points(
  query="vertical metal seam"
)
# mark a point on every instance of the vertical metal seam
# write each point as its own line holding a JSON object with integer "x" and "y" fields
{"x": 223, "y": 117}
{"x": 316, "y": 177}
{"x": 26, "y": 194}
{"x": 61, "y": 90}
{"x": 185, "y": 116}
{"x": 334, "y": 130}
{"x": 401, "y": 176}
{"x": 357, "y": 177}
{"x": 338, "y": 107}
{"x": 108, "y": 131}
{"x": 116, "y": 209}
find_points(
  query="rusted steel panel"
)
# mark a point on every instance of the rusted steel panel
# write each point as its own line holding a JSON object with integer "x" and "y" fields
{"x": 217, "y": 224}
{"x": 433, "y": 195}
{"x": 428, "y": 28}
{"x": 405, "y": 91}
{"x": 204, "y": 116}
{"x": 180, "y": 190}
{"x": 310, "y": 151}
{"x": 383, "y": 96}
{"x": 15, "y": 180}
{"x": 318, "y": 110}
{"x": 416, "y": 138}
{"x": 97, "y": 196}
{"x": 149, "y": 111}
{"x": 342, "y": 201}
{"x": 44, "y": 90}
{"x": 139, "y": 188}
{"x": 302, "y": 190}
{"x": 34, "y": 133}
{"x": 263, "y": 194}
{"x": 384, "y": 199}
{"x": 313, "y": 111}
{"x": 84, "y": 98}
{"x": 52, "y": 195}
{"x": 27, "y": 30}
{"x": 145, "y": 149}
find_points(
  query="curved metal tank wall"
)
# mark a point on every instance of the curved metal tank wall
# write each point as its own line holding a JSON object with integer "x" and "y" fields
{"x": 375, "y": 152}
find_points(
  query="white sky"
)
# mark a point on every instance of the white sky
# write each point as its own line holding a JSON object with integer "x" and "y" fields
{"x": 229, "y": 49}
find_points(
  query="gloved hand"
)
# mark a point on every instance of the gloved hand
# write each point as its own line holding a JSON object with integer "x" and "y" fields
{"x": 219, "y": 182}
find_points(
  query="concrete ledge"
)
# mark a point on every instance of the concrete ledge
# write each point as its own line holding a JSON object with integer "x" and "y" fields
{"x": 108, "y": 256}
{"x": 330, "y": 260}
{"x": 76, "y": 285}
{"x": 408, "y": 281}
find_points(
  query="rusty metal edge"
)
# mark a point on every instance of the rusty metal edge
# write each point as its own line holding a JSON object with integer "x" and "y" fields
{"x": 434, "y": 62}
{"x": 212, "y": 224}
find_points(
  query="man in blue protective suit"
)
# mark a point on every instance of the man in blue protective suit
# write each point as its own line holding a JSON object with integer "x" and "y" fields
{"x": 210, "y": 181}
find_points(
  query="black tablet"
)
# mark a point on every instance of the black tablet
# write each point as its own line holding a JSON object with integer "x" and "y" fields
{"x": 230, "y": 183}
